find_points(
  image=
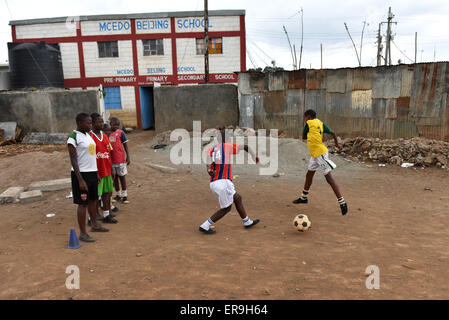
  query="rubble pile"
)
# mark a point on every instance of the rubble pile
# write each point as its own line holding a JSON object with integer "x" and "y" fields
{"x": 418, "y": 151}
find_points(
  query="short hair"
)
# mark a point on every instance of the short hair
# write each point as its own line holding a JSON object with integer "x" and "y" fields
{"x": 95, "y": 116}
{"x": 114, "y": 120}
{"x": 81, "y": 117}
{"x": 310, "y": 113}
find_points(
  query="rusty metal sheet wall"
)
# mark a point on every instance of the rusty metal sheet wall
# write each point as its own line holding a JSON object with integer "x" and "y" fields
{"x": 276, "y": 81}
{"x": 316, "y": 79}
{"x": 339, "y": 80}
{"x": 386, "y": 82}
{"x": 406, "y": 80}
{"x": 429, "y": 85}
{"x": 247, "y": 102}
{"x": 361, "y": 102}
{"x": 389, "y": 102}
{"x": 363, "y": 79}
{"x": 297, "y": 79}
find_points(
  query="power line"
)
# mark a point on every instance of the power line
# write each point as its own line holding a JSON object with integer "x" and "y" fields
{"x": 402, "y": 52}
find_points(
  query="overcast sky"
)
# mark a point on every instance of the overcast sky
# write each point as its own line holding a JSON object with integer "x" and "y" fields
{"x": 323, "y": 23}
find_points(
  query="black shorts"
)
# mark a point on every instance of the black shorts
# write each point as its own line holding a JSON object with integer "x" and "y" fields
{"x": 91, "y": 180}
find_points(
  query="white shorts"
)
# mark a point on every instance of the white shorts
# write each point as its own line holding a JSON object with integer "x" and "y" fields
{"x": 119, "y": 169}
{"x": 224, "y": 190}
{"x": 322, "y": 162}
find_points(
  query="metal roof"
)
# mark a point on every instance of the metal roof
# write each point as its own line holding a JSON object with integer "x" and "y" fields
{"x": 152, "y": 15}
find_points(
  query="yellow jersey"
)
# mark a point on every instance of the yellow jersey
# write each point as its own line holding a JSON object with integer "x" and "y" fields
{"x": 313, "y": 132}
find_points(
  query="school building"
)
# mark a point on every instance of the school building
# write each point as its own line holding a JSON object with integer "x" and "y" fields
{"x": 129, "y": 54}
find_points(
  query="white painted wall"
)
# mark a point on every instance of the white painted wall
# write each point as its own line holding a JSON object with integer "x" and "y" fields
{"x": 128, "y": 98}
{"x": 155, "y": 62}
{"x": 70, "y": 60}
{"x": 45, "y": 30}
{"x": 227, "y": 62}
{"x": 108, "y": 67}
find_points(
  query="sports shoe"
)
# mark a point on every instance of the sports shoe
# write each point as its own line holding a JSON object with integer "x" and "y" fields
{"x": 300, "y": 200}
{"x": 86, "y": 238}
{"x": 252, "y": 224}
{"x": 101, "y": 229}
{"x": 210, "y": 231}
{"x": 114, "y": 209}
{"x": 109, "y": 219}
{"x": 116, "y": 198}
{"x": 125, "y": 200}
{"x": 344, "y": 208}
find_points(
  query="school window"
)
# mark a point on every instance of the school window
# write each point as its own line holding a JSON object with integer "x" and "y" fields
{"x": 215, "y": 46}
{"x": 108, "y": 49}
{"x": 112, "y": 98}
{"x": 153, "y": 47}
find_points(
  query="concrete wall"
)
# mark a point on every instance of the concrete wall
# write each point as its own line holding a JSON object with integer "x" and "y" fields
{"x": 5, "y": 82}
{"x": 388, "y": 102}
{"x": 177, "y": 107}
{"x": 46, "y": 111}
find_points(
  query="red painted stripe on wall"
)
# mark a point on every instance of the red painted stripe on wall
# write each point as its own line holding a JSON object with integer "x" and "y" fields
{"x": 136, "y": 73}
{"x": 242, "y": 44}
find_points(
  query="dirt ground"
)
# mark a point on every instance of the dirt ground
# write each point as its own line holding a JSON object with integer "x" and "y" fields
{"x": 398, "y": 220}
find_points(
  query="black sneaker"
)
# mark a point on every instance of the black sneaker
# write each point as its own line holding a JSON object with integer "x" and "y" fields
{"x": 109, "y": 219}
{"x": 115, "y": 209}
{"x": 117, "y": 198}
{"x": 210, "y": 231}
{"x": 252, "y": 224}
{"x": 344, "y": 208}
{"x": 300, "y": 200}
{"x": 125, "y": 200}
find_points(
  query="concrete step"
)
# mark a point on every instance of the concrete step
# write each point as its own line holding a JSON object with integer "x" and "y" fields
{"x": 51, "y": 185}
{"x": 31, "y": 196}
{"x": 10, "y": 195}
{"x": 162, "y": 168}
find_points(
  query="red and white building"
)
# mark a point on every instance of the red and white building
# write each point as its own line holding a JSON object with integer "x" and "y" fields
{"x": 128, "y": 54}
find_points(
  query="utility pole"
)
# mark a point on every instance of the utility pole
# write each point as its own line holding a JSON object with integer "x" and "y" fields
{"x": 206, "y": 42}
{"x": 416, "y": 44}
{"x": 388, "y": 45}
{"x": 361, "y": 40}
{"x": 296, "y": 57}
{"x": 302, "y": 38}
{"x": 291, "y": 50}
{"x": 379, "y": 46}
{"x": 357, "y": 55}
{"x": 321, "y": 49}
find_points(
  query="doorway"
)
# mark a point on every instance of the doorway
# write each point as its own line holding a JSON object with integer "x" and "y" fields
{"x": 146, "y": 107}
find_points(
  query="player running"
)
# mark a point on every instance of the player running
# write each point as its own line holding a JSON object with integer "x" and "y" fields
{"x": 219, "y": 168}
{"x": 313, "y": 132}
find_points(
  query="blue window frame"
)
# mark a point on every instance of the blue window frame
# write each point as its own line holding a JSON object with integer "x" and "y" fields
{"x": 112, "y": 100}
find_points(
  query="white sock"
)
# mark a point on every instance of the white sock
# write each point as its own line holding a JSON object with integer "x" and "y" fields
{"x": 247, "y": 221}
{"x": 105, "y": 213}
{"x": 207, "y": 224}
{"x": 124, "y": 193}
{"x": 118, "y": 193}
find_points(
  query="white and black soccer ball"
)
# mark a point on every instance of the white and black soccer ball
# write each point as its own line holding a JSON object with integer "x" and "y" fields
{"x": 301, "y": 222}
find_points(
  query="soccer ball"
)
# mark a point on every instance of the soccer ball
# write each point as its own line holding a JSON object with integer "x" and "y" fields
{"x": 301, "y": 222}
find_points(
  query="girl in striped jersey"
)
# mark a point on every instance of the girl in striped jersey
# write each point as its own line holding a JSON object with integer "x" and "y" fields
{"x": 219, "y": 169}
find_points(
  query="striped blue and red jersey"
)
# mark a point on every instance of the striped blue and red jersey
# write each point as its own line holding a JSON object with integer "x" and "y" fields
{"x": 221, "y": 160}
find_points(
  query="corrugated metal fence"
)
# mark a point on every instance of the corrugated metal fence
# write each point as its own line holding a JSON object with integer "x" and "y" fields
{"x": 387, "y": 102}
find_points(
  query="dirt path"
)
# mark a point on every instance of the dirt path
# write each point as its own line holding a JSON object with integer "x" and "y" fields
{"x": 393, "y": 223}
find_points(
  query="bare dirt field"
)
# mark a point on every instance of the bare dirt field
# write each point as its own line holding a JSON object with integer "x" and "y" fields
{"x": 398, "y": 220}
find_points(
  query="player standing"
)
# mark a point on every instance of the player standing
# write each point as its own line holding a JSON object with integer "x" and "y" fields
{"x": 103, "y": 147}
{"x": 313, "y": 132}
{"x": 219, "y": 169}
{"x": 120, "y": 159}
{"x": 84, "y": 175}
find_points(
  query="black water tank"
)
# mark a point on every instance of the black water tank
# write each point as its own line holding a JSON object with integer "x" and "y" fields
{"x": 35, "y": 65}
